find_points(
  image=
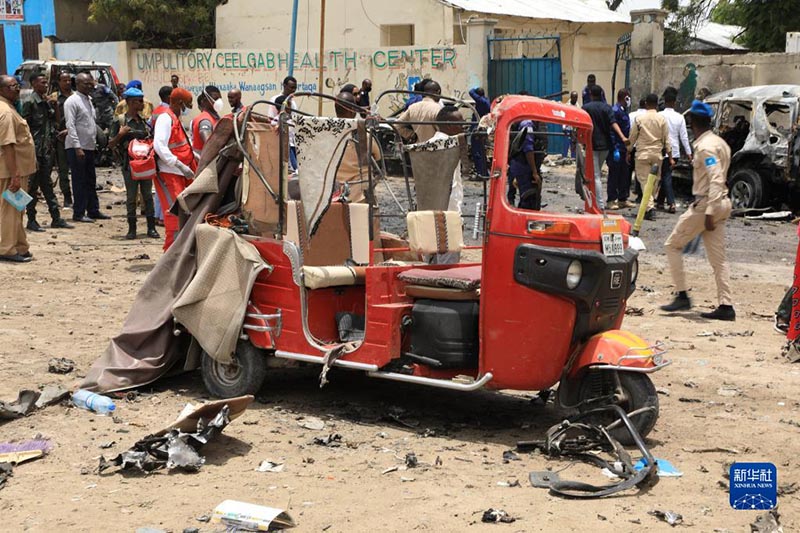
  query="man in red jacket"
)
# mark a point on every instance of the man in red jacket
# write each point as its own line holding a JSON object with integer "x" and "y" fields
{"x": 176, "y": 162}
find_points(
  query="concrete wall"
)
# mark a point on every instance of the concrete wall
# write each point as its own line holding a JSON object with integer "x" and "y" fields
{"x": 585, "y": 48}
{"x": 348, "y": 24}
{"x": 116, "y": 53}
{"x": 258, "y": 73}
{"x": 691, "y": 73}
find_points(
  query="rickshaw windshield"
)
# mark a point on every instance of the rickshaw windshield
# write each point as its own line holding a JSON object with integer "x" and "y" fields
{"x": 529, "y": 172}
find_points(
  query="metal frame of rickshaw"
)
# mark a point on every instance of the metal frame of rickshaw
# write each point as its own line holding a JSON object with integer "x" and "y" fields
{"x": 637, "y": 359}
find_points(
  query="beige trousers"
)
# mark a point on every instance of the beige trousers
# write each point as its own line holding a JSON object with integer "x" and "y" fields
{"x": 690, "y": 225}
{"x": 12, "y": 232}
{"x": 643, "y": 167}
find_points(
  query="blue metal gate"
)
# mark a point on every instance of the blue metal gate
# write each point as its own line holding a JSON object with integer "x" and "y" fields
{"x": 531, "y": 64}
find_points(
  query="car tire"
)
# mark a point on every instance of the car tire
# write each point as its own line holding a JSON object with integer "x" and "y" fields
{"x": 244, "y": 376}
{"x": 748, "y": 190}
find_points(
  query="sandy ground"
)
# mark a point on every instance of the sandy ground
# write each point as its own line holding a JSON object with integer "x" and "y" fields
{"x": 723, "y": 390}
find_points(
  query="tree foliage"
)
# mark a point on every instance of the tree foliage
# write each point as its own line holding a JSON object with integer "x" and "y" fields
{"x": 765, "y": 22}
{"x": 159, "y": 24}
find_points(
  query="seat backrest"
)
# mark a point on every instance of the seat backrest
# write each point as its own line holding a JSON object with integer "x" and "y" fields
{"x": 434, "y": 232}
{"x": 342, "y": 235}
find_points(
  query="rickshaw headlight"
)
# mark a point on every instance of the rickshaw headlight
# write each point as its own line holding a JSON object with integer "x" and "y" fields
{"x": 574, "y": 274}
{"x": 634, "y": 270}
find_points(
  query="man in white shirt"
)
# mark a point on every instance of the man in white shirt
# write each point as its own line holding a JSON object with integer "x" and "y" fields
{"x": 289, "y": 88}
{"x": 678, "y": 137}
{"x": 81, "y": 145}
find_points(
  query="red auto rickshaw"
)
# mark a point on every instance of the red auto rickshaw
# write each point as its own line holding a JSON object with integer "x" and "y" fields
{"x": 543, "y": 307}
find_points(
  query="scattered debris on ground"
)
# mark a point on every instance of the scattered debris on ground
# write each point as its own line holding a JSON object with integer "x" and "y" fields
{"x": 176, "y": 447}
{"x": 497, "y": 516}
{"x": 60, "y": 365}
{"x": 270, "y": 466}
{"x": 768, "y": 522}
{"x": 670, "y": 517}
{"x": 250, "y": 517}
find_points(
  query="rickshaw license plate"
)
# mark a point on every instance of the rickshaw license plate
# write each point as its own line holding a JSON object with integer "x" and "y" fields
{"x": 611, "y": 234}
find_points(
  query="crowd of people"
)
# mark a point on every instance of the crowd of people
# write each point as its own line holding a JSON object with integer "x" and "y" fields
{"x": 60, "y": 130}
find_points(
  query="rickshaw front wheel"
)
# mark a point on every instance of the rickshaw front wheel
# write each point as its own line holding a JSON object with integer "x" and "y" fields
{"x": 244, "y": 375}
{"x": 635, "y": 391}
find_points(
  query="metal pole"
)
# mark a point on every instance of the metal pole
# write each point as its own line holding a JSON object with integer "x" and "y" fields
{"x": 292, "y": 38}
{"x": 321, "y": 51}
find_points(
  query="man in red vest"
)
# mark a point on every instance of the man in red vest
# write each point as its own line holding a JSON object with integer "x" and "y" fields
{"x": 210, "y": 104}
{"x": 176, "y": 162}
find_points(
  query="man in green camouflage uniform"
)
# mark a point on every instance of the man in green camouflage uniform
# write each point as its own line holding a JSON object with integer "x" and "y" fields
{"x": 64, "y": 91}
{"x": 38, "y": 110}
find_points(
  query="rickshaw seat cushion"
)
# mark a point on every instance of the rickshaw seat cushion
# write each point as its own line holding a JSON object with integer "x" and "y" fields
{"x": 434, "y": 232}
{"x": 463, "y": 278}
{"x": 320, "y": 277}
{"x": 442, "y": 293}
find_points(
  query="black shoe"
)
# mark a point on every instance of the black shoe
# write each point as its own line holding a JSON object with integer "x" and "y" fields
{"x": 34, "y": 226}
{"x": 680, "y": 303}
{"x": 100, "y": 216}
{"x": 151, "y": 228}
{"x": 68, "y": 203}
{"x": 723, "y": 312}
{"x": 131, "y": 229}
{"x": 650, "y": 214}
{"x": 83, "y": 219}
{"x": 60, "y": 223}
{"x": 17, "y": 258}
{"x": 27, "y": 255}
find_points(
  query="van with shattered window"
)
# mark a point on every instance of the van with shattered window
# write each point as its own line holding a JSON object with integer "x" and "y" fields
{"x": 760, "y": 124}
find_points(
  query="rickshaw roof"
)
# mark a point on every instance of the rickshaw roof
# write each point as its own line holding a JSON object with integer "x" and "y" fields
{"x": 517, "y": 107}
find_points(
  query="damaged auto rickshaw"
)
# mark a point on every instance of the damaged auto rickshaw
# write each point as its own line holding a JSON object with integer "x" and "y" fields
{"x": 542, "y": 305}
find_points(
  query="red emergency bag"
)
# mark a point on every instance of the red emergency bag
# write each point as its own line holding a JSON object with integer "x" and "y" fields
{"x": 142, "y": 158}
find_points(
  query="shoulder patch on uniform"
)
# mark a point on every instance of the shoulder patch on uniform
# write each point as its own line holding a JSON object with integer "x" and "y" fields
{"x": 710, "y": 161}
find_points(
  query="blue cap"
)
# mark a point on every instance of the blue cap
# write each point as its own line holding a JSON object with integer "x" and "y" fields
{"x": 701, "y": 109}
{"x": 134, "y": 83}
{"x": 133, "y": 92}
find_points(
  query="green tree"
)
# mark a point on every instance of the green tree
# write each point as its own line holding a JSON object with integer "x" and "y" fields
{"x": 765, "y": 22}
{"x": 159, "y": 24}
{"x": 684, "y": 22}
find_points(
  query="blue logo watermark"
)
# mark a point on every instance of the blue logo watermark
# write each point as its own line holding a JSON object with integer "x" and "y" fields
{"x": 753, "y": 486}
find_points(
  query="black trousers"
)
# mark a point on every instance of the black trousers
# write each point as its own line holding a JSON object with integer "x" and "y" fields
{"x": 41, "y": 182}
{"x": 84, "y": 181}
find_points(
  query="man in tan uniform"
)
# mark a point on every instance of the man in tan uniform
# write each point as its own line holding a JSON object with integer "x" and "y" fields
{"x": 650, "y": 136}
{"x": 423, "y": 111}
{"x": 706, "y": 216}
{"x": 17, "y": 162}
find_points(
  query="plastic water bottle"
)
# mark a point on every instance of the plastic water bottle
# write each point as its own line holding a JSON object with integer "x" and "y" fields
{"x": 617, "y": 155}
{"x": 93, "y": 402}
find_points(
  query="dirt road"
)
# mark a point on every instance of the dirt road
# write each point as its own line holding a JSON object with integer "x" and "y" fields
{"x": 727, "y": 389}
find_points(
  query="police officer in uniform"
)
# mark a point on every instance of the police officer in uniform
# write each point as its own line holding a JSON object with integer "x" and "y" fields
{"x": 706, "y": 216}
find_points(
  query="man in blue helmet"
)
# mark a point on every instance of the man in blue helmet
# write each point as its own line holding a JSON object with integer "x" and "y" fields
{"x": 706, "y": 216}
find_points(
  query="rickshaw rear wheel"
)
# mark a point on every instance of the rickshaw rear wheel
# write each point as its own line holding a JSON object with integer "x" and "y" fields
{"x": 637, "y": 391}
{"x": 244, "y": 375}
